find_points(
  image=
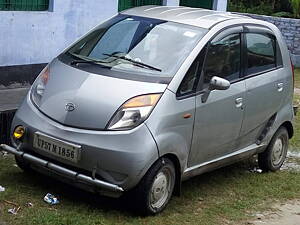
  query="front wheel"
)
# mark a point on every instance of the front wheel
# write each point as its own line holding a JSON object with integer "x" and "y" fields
{"x": 275, "y": 154}
{"x": 155, "y": 189}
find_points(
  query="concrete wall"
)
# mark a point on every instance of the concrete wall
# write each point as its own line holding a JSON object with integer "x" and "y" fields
{"x": 290, "y": 29}
{"x": 37, "y": 37}
{"x": 33, "y": 37}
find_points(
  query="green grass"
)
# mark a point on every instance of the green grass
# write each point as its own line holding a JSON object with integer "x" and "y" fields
{"x": 225, "y": 196}
{"x": 297, "y": 78}
{"x": 228, "y": 194}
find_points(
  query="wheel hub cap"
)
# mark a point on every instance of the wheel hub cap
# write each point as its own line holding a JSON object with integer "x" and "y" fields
{"x": 160, "y": 189}
{"x": 278, "y": 149}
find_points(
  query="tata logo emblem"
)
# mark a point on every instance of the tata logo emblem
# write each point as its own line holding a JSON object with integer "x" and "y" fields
{"x": 70, "y": 107}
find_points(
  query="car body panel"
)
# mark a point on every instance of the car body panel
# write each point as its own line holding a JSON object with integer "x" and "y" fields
{"x": 94, "y": 96}
{"x": 121, "y": 157}
{"x": 217, "y": 126}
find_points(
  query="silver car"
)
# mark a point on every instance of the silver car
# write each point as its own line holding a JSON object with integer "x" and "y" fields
{"x": 154, "y": 96}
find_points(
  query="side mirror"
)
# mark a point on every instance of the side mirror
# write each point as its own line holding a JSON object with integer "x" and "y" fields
{"x": 218, "y": 83}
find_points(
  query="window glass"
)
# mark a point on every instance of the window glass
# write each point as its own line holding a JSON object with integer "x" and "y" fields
{"x": 260, "y": 53}
{"x": 124, "y": 40}
{"x": 223, "y": 59}
{"x": 190, "y": 81}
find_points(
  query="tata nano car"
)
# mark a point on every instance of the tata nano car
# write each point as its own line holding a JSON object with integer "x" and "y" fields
{"x": 154, "y": 96}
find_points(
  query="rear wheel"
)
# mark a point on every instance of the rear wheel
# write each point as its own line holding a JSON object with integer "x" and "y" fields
{"x": 275, "y": 154}
{"x": 156, "y": 188}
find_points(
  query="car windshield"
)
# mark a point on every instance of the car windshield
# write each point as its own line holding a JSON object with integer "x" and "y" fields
{"x": 136, "y": 44}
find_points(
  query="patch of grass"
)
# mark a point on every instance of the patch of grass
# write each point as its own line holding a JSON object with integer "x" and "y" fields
{"x": 225, "y": 196}
{"x": 228, "y": 194}
{"x": 295, "y": 142}
{"x": 297, "y": 77}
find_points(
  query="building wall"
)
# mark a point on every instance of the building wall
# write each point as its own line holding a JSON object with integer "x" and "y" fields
{"x": 33, "y": 37}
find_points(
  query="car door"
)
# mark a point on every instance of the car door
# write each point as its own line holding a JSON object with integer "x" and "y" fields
{"x": 218, "y": 119}
{"x": 264, "y": 82}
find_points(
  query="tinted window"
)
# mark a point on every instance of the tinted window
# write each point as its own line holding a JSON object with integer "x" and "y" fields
{"x": 191, "y": 78}
{"x": 223, "y": 59}
{"x": 260, "y": 52}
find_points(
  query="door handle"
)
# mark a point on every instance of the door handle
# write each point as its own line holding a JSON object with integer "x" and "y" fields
{"x": 239, "y": 102}
{"x": 279, "y": 87}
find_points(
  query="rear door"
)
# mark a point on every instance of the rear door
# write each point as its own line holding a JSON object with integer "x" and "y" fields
{"x": 218, "y": 120}
{"x": 264, "y": 81}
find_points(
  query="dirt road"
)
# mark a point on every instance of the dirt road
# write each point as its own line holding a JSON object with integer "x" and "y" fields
{"x": 282, "y": 214}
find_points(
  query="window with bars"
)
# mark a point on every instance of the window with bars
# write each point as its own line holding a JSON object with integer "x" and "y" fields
{"x": 206, "y": 4}
{"x": 24, "y": 5}
{"x": 126, "y": 4}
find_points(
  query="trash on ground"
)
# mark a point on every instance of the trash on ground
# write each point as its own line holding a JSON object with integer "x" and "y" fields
{"x": 2, "y": 189}
{"x": 29, "y": 204}
{"x": 14, "y": 210}
{"x": 255, "y": 170}
{"x": 4, "y": 154}
{"x": 51, "y": 199}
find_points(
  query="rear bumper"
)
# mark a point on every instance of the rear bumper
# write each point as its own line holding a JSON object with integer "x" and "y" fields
{"x": 76, "y": 177}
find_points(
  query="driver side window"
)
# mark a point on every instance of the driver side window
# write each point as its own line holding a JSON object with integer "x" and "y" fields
{"x": 223, "y": 59}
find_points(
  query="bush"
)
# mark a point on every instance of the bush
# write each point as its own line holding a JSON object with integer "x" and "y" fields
{"x": 281, "y": 8}
{"x": 283, "y": 14}
{"x": 296, "y": 8}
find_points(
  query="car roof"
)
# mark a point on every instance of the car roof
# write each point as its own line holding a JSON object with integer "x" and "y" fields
{"x": 199, "y": 17}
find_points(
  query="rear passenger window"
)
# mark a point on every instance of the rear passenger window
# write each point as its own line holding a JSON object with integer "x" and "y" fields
{"x": 261, "y": 53}
{"x": 223, "y": 59}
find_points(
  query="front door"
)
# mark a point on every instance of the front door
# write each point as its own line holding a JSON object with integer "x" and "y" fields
{"x": 218, "y": 120}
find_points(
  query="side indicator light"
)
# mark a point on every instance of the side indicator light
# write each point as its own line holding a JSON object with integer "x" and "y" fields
{"x": 186, "y": 116}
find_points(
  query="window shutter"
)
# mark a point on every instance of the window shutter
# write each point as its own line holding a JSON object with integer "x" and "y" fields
{"x": 126, "y": 4}
{"x": 206, "y": 4}
{"x": 24, "y": 5}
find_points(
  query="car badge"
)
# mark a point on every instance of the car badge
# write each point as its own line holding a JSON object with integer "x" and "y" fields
{"x": 70, "y": 107}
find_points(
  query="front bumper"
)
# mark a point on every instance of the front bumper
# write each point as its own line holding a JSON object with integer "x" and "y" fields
{"x": 76, "y": 177}
{"x": 120, "y": 158}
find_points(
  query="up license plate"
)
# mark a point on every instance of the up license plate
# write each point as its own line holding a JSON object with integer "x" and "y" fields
{"x": 57, "y": 147}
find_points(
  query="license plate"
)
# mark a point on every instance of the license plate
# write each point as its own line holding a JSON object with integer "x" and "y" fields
{"x": 57, "y": 147}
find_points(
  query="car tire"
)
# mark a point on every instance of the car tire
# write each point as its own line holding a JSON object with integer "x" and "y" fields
{"x": 156, "y": 188}
{"x": 22, "y": 164}
{"x": 275, "y": 154}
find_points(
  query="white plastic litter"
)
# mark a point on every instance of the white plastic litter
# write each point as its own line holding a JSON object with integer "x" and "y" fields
{"x": 2, "y": 189}
{"x": 14, "y": 211}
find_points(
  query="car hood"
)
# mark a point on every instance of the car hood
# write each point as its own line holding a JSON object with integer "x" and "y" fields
{"x": 95, "y": 97}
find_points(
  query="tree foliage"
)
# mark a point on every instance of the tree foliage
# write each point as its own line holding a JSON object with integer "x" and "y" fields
{"x": 296, "y": 8}
{"x": 265, "y": 7}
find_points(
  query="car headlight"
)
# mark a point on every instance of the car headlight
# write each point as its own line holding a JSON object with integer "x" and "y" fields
{"x": 133, "y": 112}
{"x": 39, "y": 86}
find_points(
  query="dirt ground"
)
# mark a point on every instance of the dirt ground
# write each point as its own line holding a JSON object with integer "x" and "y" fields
{"x": 281, "y": 214}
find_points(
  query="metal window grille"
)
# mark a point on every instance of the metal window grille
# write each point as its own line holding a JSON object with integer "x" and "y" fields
{"x": 6, "y": 118}
{"x": 126, "y": 4}
{"x": 207, "y": 4}
{"x": 24, "y": 5}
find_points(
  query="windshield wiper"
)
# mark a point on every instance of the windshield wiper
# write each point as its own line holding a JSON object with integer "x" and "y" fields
{"x": 74, "y": 62}
{"x": 136, "y": 63}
